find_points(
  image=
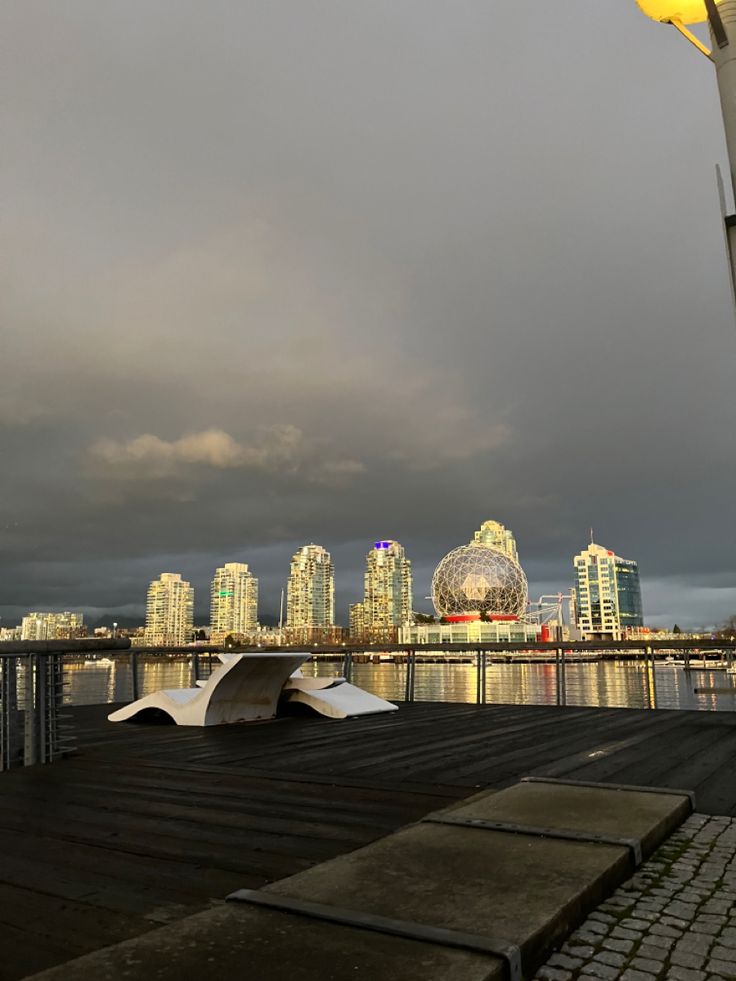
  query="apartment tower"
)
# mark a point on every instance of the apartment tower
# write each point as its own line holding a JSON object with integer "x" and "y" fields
{"x": 493, "y": 534}
{"x": 169, "y": 611}
{"x": 233, "y": 602}
{"x": 310, "y": 595}
{"x": 387, "y": 597}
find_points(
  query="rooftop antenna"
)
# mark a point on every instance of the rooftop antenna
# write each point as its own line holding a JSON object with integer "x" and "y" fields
{"x": 591, "y": 537}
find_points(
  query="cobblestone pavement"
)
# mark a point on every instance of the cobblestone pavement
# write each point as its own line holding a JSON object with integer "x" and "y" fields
{"x": 676, "y": 918}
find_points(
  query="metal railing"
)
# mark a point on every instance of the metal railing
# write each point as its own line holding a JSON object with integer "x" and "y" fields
{"x": 35, "y": 729}
{"x": 32, "y": 726}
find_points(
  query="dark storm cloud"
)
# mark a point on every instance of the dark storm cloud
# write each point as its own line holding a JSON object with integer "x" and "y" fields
{"x": 281, "y": 272}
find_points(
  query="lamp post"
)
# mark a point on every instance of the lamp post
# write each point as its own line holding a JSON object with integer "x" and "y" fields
{"x": 721, "y": 18}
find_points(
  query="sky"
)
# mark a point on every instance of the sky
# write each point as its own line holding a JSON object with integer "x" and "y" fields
{"x": 281, "y": 271}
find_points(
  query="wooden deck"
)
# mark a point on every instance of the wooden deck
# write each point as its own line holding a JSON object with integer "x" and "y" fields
{"x": 148, "y": 824}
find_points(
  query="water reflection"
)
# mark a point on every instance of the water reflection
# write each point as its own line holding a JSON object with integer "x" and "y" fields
{"x": 606, "y": 683}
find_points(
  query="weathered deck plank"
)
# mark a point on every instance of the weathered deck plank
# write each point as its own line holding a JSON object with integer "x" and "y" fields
{"x": 147, "y": 824}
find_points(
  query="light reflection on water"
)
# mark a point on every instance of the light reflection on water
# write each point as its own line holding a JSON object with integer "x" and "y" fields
{"x": 604, "y": 683}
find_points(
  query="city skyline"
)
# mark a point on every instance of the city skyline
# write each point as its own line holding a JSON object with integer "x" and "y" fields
{"x": 204, "y": 605}
{"x": 308, "y": 597}
{"x": 383, "y": 305}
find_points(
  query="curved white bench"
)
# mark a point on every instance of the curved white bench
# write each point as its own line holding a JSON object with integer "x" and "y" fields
{"x": 247, "y": 687}
{"x": 338, "y": 701}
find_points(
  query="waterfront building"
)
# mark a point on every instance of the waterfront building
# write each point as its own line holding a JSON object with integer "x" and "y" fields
{"x": 387, "y": 598}
{"x": 480, "y": 594}
{"x": 169, "y": 611}
{"x": 493, "y": 534}
{"x": 310, "y": 595}
{"x": 52, "y": 626}
{"x": 233, "y": 602}
{"x": 607, "y": 594}
{"x": 470, "y": 632}
{"x": 356, "y": 620}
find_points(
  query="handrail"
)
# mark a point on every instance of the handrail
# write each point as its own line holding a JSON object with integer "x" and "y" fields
{"x": 15, "y": 647}
{"x": 123, "y": 644}
{"x": 569, "y": 646}
{"x": 101, "y": 645}
{"x": 32, "y": 675}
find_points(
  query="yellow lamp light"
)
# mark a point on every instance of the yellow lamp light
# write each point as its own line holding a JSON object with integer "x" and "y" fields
{"x": 672, "y": 11}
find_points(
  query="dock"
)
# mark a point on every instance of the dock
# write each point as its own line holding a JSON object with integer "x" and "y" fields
{"x": 145, "y": 825}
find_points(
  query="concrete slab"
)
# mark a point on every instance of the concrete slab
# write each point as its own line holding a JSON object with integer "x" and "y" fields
{"x": 527, "y": 891}
{"x": 650, "y": 817}
{"x": 520, "y": 889}
{"x": 249, "y": 944}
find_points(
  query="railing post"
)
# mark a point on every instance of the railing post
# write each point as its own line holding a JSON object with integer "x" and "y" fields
{"x": 410, "y": 664}
{"x": 42, "y": 709}
{"x": 650, "y": 657}
{"x": 479, "y": 680}
{"x": 195, "y": 668}
{"x": 134, "y": 675}
{"x": 646, "y": 678}
{"x": 8, "y": 712}
{"x": 30, "y": 721}
{"x": 347, "y": 666}
{"x": 561, "y": 686}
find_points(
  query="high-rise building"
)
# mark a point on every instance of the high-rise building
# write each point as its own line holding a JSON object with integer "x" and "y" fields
{"x": 356, "y": 630}
{"x": 387, "y": 599}
{"x": 52, "y": 626}
{"x": 310, "y": 594}
{"x": 493, "y": 534}
{"x": 607, "y": 594}
{"x": 169, "y": 611}
{"x": 233, "y": 603}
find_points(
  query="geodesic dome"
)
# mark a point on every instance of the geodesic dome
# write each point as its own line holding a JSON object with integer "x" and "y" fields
{"x": 475, "y": 577}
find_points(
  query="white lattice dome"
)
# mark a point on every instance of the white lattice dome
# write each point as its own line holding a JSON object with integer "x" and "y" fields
{"x": 477, "y": 578}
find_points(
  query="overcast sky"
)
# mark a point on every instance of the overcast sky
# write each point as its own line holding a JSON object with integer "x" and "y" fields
{"x": 278, "y": 271}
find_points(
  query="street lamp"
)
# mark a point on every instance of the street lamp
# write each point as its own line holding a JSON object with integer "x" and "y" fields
{"x": 721, "y": 18}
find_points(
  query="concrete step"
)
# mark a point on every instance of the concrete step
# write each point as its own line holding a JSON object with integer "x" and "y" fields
{"x": 483, "y": 890}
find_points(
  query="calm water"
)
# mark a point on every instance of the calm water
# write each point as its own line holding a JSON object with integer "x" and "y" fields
{"x": 606, "y": 683}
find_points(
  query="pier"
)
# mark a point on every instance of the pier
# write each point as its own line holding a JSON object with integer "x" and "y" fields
{"x": 144, "y": 825}
{"x": 112, "y": 831}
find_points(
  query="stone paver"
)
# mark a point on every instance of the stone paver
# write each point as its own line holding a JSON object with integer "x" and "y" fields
{"x": 674, "y": 920}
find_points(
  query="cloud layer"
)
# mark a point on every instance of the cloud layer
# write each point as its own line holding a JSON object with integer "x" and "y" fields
{"x": 286, "y": 272}
{"x": 277, "y": 450}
